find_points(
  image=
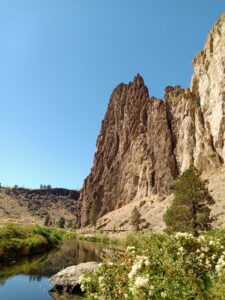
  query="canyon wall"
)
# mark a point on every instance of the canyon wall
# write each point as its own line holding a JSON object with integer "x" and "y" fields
{"x": 145, "y": 143}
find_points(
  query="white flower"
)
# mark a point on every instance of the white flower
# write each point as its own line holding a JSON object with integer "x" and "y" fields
{"x": 163, "y": 295}
{"x": 183, "y": 234}
{"x": 204, "y": 249}
{"x": 100, "y": 279}
{"x": 130, "y": 248}
{"x": 220, "y": 264}
{"x": 201, "y": 238}
{"x": 141, "y": 282}
{"x": 137, "y": 266}
{"x": 82, "y": 287}
{"x": 147, "y": 263}
{"x": 213, "y": 256}
{"x": 81, "y": 278}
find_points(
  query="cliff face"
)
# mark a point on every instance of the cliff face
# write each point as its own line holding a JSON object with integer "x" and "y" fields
{"x": 208, "y": 83}
{"x": 145, "y": 142}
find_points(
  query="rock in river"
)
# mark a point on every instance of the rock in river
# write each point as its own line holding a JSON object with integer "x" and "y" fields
{"x": 67, "y": 280}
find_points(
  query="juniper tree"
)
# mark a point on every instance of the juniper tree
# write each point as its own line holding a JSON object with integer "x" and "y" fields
{"x": 190, "y": 210}
{"x": 47, "y": 220}
{"x": 61, "y": 222}
{"x": 135, "y": 218}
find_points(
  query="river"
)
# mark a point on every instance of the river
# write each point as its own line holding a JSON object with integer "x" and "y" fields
{"x": 28, "y": 278}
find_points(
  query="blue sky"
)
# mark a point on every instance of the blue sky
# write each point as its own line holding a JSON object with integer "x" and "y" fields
{"x": 60, "y": 61}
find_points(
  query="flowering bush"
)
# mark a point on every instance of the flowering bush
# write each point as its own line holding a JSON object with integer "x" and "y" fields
{"x": 180, "y": 266}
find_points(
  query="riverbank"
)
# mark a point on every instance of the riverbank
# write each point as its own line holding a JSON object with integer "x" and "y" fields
{"x": 18, "y": 240}
{"x": 27, "y": 277}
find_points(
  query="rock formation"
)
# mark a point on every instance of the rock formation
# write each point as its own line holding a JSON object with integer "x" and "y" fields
{"x": 34, "y": 206}
{"x": 145, "y": 143}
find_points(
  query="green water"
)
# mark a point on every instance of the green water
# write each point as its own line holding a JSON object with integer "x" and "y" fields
{"x": 28, "y": 278}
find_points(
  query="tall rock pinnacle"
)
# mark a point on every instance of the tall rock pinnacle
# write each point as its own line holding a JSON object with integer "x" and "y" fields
{"x": 134, "y": 156}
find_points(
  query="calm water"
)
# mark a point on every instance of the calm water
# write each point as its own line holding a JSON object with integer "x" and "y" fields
{"x": 28, "y": 279}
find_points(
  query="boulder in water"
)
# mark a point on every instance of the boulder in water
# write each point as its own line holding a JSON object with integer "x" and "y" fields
{"x": 67, "y": 280}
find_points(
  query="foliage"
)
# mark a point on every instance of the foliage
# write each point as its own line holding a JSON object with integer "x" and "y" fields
{"x": 180, "y": 266}
{"x": 61, "y": 222}
{"x": 71, "y": 224}
{"x": 189, "y": 211}
{"x": 18, "y": 240}
{"x": 45, "y": 187}
{"x": 135, "y": 218}
{"x": 47, "y": 221}
{"x": 98, "y": 238}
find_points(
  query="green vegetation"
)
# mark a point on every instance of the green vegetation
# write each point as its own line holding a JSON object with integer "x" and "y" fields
{"x": 98, "y": 238}
{"x": 72, "y": 224}
{"x": 135, "y": 218}
{"x": 17, "y": 240}
{"x": 187, "y": 264}
{"x": 180, "y": 266}
{"x": 44, "y": 187}
{"x": 47, "y": 221}
{"x": 61, "y": 222}
{"x": 189, "y": 211}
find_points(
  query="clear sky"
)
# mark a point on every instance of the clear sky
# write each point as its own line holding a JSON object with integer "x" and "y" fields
{"x": 60, "y": 61}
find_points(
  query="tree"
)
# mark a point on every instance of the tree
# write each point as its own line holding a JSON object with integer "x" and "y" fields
{"x": 93, "y": 216}
{"x": 190, "y": 210}
{"x": 61, "y": 222}
{"x": 47, "y": 221}
{"x": 135, "y": 218}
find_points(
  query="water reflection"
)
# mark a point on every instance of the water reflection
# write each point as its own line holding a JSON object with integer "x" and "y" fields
{"x": 31, "y": 274}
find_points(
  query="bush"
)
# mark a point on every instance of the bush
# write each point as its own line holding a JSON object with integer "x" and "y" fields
{"x": 180, "y": 266}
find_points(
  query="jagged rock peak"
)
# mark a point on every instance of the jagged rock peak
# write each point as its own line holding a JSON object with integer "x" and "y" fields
{"x": 138, "y": 80}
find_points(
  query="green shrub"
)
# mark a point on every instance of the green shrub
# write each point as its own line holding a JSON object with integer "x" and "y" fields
{"x": 179, "y": 266}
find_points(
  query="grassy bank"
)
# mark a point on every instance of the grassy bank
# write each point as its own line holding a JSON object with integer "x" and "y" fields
{"x": 158, "y": 266}
{"x": 97, "y": 237}
{"x": 18, "y": 240}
